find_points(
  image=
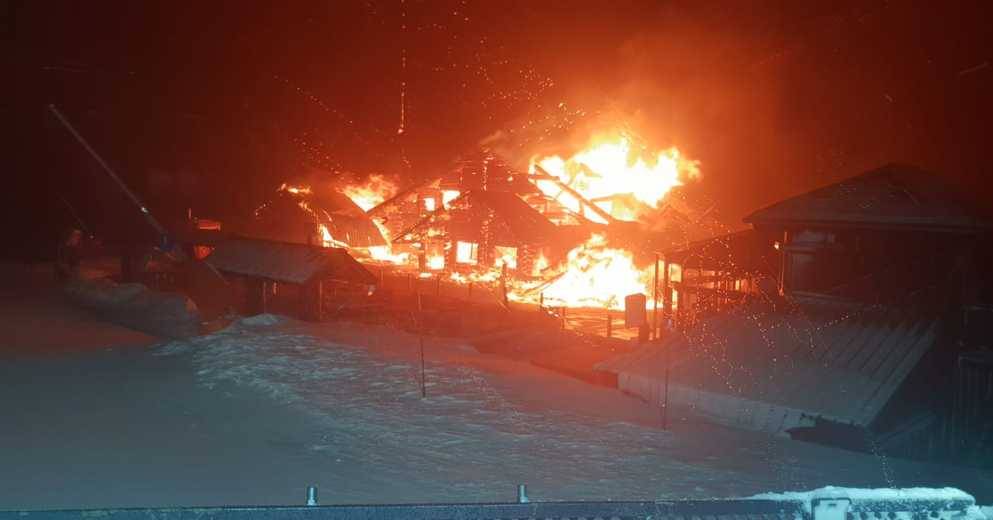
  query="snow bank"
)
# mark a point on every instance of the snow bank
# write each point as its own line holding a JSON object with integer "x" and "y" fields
{"x": 169, "y": 315}
{"x": 930, "y": 494}
{"x": 939, "y": 495}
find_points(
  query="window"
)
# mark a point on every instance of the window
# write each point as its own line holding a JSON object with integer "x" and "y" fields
{"x": 466, "y": 253}
{"x": 506, "y": 256}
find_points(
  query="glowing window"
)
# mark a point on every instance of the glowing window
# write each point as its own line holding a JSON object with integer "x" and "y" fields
{"x": 466, "y": 252}
{"x": 435, "y": 253}
{"x": 506, "y": 256}
{"x": 429, "y": 203}
{"x": 448, "y": 196}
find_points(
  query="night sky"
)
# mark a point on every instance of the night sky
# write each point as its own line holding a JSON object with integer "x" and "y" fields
{"x": 211, "y": 105}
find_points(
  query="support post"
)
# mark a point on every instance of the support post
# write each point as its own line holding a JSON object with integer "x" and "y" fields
{"x": 503, "y": 284}
{"x": 610, "y": 325}
{"x": 424, "y": 389}
{"x": 665, "y": 392}
{"x": 655, "y": 301}
{"x": 420, "y": 342}
{"x": 320, "y": 300}
{"x": 666, "y": 292}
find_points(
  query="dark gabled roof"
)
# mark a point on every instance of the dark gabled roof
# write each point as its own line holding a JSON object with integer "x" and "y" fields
{"x": 523, "y": 223}
{"x": 287, "y": 262}
{"x": 892, "y": 196}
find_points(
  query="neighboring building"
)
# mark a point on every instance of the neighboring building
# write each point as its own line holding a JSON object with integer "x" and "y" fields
{"x": 298, "y": 278}
{"x": 857, "y": 341}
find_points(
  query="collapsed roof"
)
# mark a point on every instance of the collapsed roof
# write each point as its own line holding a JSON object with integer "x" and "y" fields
{"x": 345, "y": 221}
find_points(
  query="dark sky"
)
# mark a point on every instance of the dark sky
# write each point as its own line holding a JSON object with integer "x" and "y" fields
{"x": 212, "y": 104}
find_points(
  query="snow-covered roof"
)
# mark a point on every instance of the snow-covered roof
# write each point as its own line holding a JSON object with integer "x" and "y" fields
{"x": 287, "y": 262}
{"x": 892, "y": 196}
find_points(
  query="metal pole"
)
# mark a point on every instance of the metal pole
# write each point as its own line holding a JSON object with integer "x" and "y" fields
{"x": 665, "y": 395}
{"x": 72, "y": 211}
{"x": 424, "y": 390}
{"x": 106, "y": 167}
{"x": 320, "y": 300}
{"x": 655, "y": 301}
{"x": 420, "y": 341}
{"x": 666, "y": 292}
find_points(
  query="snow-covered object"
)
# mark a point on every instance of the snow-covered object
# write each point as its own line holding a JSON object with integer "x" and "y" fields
{"x": 168, "y": 315}
{"x": 899, "y": 504}
{"x": 861, "y": 494}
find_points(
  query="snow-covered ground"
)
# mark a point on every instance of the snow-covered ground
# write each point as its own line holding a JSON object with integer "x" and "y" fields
{"x": 478, "y": 432}
{"x": 256, "y": 412}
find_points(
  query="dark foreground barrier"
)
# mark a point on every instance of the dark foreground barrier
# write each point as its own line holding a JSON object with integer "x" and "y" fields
{"x": 842, "y": 507}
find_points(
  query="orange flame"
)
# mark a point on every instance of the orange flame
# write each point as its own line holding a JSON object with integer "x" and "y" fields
{"x": 326, "y": 239}
{"x": 614, "y": 167}
{"x": 436, "y": 262}
{"x": 371, "y": 193}
{"x": 296, "y": 190}
{"x": 597, "y": 276}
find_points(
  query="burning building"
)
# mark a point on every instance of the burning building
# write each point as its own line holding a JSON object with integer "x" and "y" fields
{"x": 576, "y": 232}
{"x": 873, "y": 274}
{"x": 305, "y": 214}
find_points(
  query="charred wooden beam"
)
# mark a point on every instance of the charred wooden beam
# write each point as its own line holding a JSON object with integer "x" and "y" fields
{"x": 545, "y": 176}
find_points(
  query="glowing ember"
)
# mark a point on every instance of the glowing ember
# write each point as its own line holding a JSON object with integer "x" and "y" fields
{"x": 477, "y": 277}
{"x": 436, "y": 262}
{"x": 326, "y": 239}
{"x": 371, "y": 193}
{"x": 598, "y": 276}
{"x": 385, "y": 254}
{"x": 539, "y": 265}
{"x": 447, "y": 196}
{"x": 611, "y": 169}
{"x": 505, "y": 256}
{"x": 296, "y": 190}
